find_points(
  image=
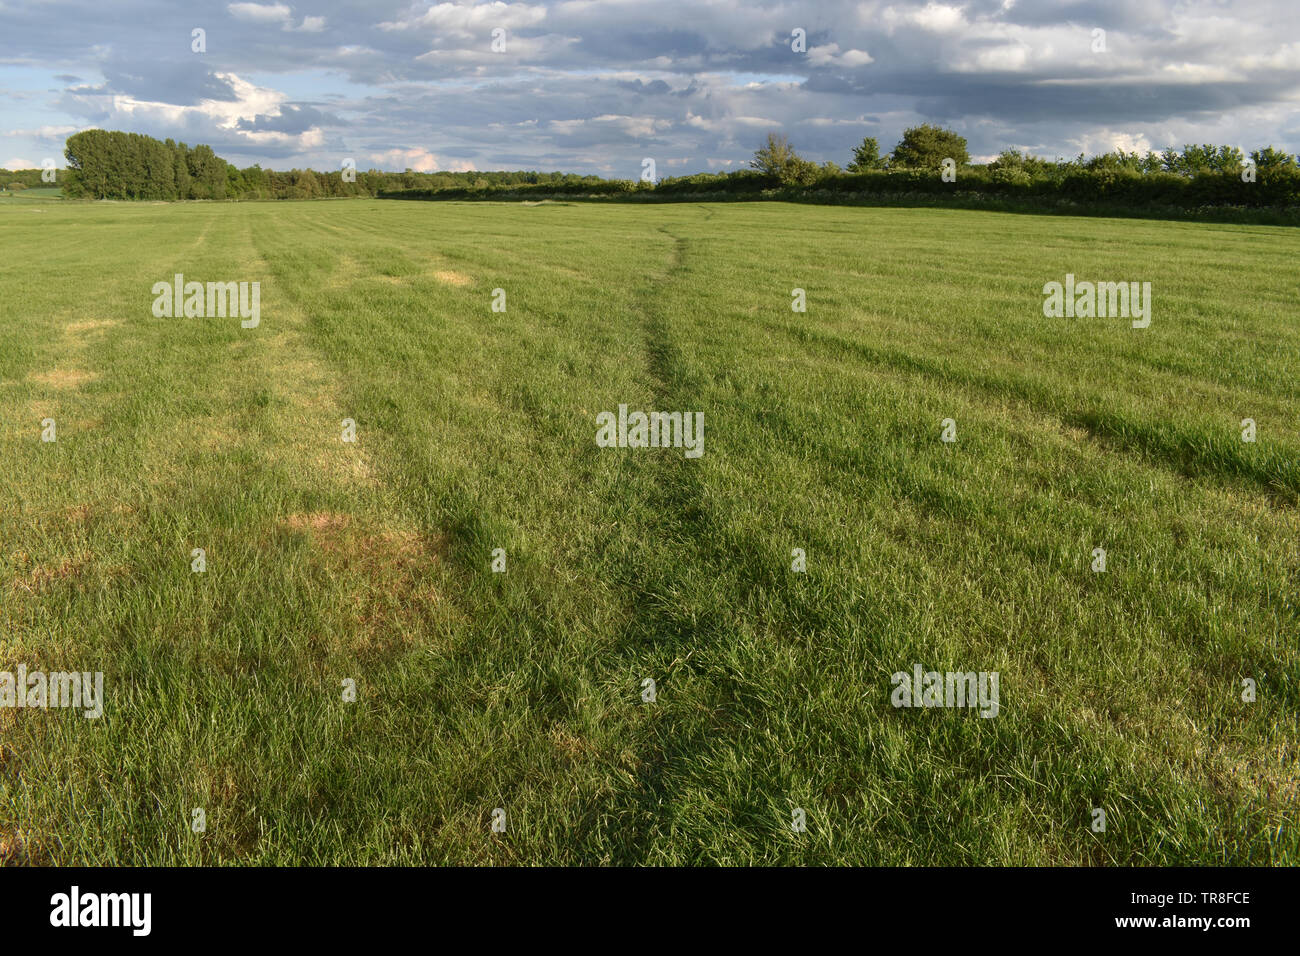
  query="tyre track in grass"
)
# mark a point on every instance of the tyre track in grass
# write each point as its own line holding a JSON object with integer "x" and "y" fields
{"x": 470, "y": 657}
{"x": 344, "y": 506}
{"x": 704, "y": 697}
{"x": 564, "y": 675}
{"x": 673, "y": 742}
{"x": 91, "y": 411}
{"x": 250, "y": 482}
{"x": 303, "y": 560}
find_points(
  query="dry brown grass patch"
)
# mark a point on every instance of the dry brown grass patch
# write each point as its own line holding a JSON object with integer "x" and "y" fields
{"x": 393, "y": 597}
{"x": 349, "y": 467}
{"x": 64, "y": 378}
{"x": 452, "y": 278}
{"x": 79, "y": 513}
{"x": 357, "y": 543}
{"x": 89, "y": 325}
{"x": 322, "y": 522}
{"x": 11, "y": 848}
{"x": 43, "y": 576}
{"x": 571, "y": 748}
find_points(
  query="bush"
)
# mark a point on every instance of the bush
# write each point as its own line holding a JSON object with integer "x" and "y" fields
{"x": 1012, "y": 176}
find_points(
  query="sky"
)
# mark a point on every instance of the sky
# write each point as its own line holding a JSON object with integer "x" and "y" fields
{"x": 597, "y": 86}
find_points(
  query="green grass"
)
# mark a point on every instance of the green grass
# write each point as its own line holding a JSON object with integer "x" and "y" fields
{"x": 476, "y": 430}
{"x": 34, "y": 193}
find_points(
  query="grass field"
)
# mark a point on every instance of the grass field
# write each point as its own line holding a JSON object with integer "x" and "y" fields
{"x": 476, "y": 690}
{"x": 32, "y": 194}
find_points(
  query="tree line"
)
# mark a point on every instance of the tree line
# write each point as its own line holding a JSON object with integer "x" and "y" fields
{"x": 928, "y": 147}
{"x": 16, "y": 179}
{"x": 105, "y": 164}
{"x": 932, "y": 165}
{"x": 928, "y": 161}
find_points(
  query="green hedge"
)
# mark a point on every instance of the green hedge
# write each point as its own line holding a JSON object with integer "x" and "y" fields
{"x": 1063, "y": 186}
{"x": 608, "y": 187}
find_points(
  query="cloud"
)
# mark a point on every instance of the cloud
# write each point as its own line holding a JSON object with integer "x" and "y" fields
{"x": 939, "y": 18}
{"x": 595, "y": 86}
{"x": 417, "y": 159}
{"x": 260, "y": 12}
{"x": 275, "y": 13}
{"x": 1108, "y": 140}
{"x": 249, "y": 116}
{"x": 46, "y": 132}
{"x": 830, "y": 55}
{"x": 470, "y": 18}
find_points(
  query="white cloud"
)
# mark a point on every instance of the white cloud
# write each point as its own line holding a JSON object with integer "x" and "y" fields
{"x": 418, "y": 159}
{"x": 480, "y": 51}
{"x": 17, "y": 163}
{"x": 47, "y": 132}
{"x": 939, "y": 17}
{"x": 308, "y": 25}
{"x": 1198, "y": 73}
{"x": 260, "y": 12}
{"x": 1011, "y": 58}
{"x": 275, "y": 13}
{"x": 830, "y": 55}
{"x": 1108, "y": 140}
{"x": 933, "y": 17}
{"x": 1285, "y": 57}
{"x": 633, "y": 125}
{"x": 466, "y": 18}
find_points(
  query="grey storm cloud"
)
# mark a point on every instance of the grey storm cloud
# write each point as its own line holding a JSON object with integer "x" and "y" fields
{"x": 291, "y": 118}
{"x": 594, "y": 85}
{"x": 176, "y": 82}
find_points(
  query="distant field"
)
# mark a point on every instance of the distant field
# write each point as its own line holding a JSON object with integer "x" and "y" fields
{"x": 371, "y": 561}
{"x": 35, "y": 192}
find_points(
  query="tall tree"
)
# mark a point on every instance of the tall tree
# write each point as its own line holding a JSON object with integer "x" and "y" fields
{"x": 926, "y": 147}
{"x": 866, "y": 156}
